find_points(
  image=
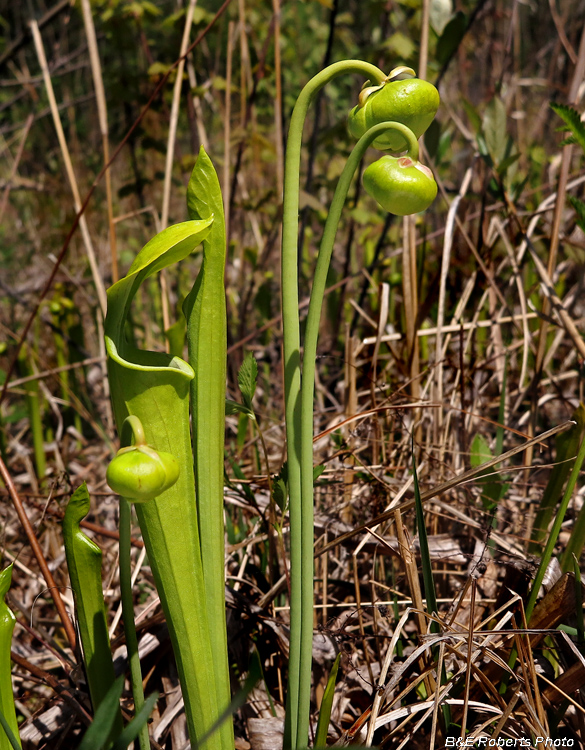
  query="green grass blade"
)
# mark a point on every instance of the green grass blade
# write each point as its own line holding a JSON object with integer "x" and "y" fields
{"x": 566, "y": 447}
{"x": 579, "y": 605}
{"x": 427, "y": 569}
{"x": 97, "y": 736}
{"x": 239, "y": 699}
{"x": 326, "y": 704}
{"x": 6, "y": 734}
{"x": 134, "y": 728}
{"x": 9, "y": 734}
{"x": 205, "y": 311}
{"x": 84, "y": 561}
{"x": 556, "y": 528}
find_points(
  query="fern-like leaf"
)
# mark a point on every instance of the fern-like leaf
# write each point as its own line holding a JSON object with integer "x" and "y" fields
{"x": 572, "y": 120}
{"x": 579, "y": 207}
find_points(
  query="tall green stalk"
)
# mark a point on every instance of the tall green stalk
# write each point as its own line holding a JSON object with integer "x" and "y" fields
{"x": 392, "y": 112}
{"x": 301, "y": 524}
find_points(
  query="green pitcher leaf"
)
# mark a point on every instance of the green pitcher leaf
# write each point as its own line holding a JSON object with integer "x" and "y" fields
{"x": 9, "y": 725}
{"x": 84, "y": 561}
{"x": 154, "y": 387}
{"x": 205, "y": 312}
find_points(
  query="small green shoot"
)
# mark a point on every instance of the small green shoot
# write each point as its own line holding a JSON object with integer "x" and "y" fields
{"x": 326, "y": 704}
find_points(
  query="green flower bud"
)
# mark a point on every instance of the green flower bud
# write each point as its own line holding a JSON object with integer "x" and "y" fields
{"x": 400, "y": 185}
{"x": 139, "y": 473}
{"x": 412, "y": 102}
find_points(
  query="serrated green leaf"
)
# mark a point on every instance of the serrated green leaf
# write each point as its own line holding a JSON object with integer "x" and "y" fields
{"x": 579, "y": 207}
{"x": 233, "y": 407}
{"x": 572, "y": 120}
{"x": 247, "y": 376}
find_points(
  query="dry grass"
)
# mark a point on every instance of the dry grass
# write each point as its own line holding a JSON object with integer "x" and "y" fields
{"x": 486, "y": 257}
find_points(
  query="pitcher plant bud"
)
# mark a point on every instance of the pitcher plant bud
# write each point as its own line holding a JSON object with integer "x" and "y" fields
{"x": 401, "y": 185}
{"x": 403, "y": 99}
{"x": 139, "y": 473}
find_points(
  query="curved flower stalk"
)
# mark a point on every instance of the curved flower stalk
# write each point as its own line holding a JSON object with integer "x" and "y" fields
{"x": 392, "y": 132}
{"x": 155, "y": 388}
{"x": 7, "y": 622}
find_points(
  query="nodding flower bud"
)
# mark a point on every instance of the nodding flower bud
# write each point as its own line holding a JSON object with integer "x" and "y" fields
{"x": 400, "y": 185}
{"x": 139, "y": 473}
{"x": 410, "y": 101}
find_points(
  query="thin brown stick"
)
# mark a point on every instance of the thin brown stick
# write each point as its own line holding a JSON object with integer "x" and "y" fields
{"x": 38, "y": 553}
{"x": 91, "y": 257}
{"x": 49, "y": 679}
{"x": 578, "y": 74}
{"x": 17, "y": 158}
{"x": 227, "y": 129}
{"x": 170, "y": 155}
{"x": 100, "y": 96}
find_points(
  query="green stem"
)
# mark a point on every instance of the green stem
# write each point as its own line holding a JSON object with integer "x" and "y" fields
{"x": 128, "y": 613}
{"x": 132, "y": 433}
{"x": 308, "y": 378}
{"x": 298, "y": 701}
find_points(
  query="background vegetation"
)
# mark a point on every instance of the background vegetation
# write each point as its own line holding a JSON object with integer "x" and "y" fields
{"x": 463, "y": 327}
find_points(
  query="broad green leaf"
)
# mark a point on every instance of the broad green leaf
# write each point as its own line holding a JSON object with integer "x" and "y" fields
{"x": 7, "y": 710}
{"x": 175, "y": 335}
{"x": 451, "y": 37}
{"x": 492, "y": 489}
{"x": 472, "y": 114}
{"x": 84, "y": 562}
{"x": 440, "y": 14}
{"x": 247, "y": 375}
{"x": 239, "y": 699}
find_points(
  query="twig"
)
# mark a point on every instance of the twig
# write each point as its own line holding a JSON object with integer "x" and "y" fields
{"x": 97, "y": 279}
{"x": 38, "y": 553}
